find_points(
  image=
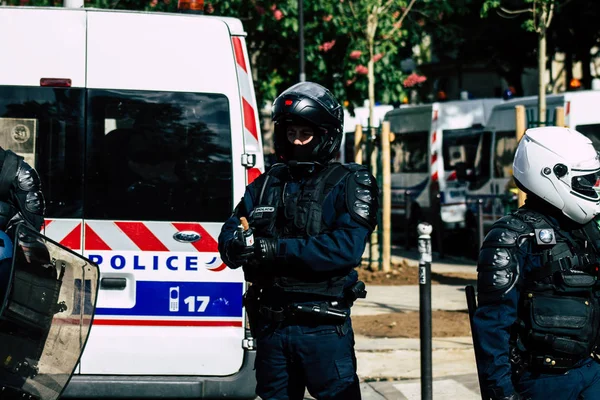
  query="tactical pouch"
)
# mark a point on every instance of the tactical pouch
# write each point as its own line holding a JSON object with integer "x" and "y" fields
{"x": 572, "y": 282}
{"x": 263, "y": 220}
{"x": 562, "y": 324}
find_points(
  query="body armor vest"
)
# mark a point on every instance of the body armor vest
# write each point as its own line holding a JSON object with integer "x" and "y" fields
{"x": 559, "y": 314}
{"x": 299, "y": 215}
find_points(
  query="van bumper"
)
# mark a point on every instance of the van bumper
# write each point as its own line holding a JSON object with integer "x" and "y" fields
{"x": 240, "y": 385}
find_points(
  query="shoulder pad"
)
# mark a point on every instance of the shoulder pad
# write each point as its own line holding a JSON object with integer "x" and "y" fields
{"x": 28, "y": 178}
{"x": 501, "y": 237}
{"x": 355, "y": 167}
{"x": 362, "y": 198}
{"x": 513, "y": 223}
{"x": 497, "y": 273}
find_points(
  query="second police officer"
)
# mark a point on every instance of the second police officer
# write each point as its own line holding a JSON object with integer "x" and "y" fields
{"x": 311, "y": 219}
{"x": 537, "y": 324}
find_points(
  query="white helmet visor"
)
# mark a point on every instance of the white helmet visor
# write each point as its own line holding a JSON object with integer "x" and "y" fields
{"x": 586, "y": 185}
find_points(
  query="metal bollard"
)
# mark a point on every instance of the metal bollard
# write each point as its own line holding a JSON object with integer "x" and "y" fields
{"x": 480, "y": 221}
{"x": 407, "y": 210}
{"x": 424, "y": 230}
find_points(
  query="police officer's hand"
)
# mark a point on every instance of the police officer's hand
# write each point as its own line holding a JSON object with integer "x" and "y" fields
{"x": 266, "y": 249}
{"x": 238, "y": 252}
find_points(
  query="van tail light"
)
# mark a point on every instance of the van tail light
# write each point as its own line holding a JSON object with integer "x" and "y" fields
{"x": 191, "y": 6}
{"x": 55, "y": 82}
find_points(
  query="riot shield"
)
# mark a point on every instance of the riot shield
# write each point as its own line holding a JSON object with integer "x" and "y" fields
{"x": 45, "y": 318}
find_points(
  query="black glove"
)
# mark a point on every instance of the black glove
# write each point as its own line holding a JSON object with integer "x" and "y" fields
{"x": 237, "y": 251}
{"x": 266, "y": 249}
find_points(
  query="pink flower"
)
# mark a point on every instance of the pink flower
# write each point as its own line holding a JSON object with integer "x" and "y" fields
{"x": 273, "y": 7}
{"x": 277, "y": 14}
{"x": 153, "y": 3}
{"x": 260, "y": 10}
{"x": 396, "y": 14}
{"x": 414, "y": 79}
{"x": 377, "y": 57}
{"x": 328, "y": 18}
{"x": 209, "y": 9}
{"x": 167, "y": 2}
{"x": 350, "y": 81}
{"x": 398, "y": 25}
{"x": 361, "y": 70}
{"x": 355, "y": 54}
{"x": 421, "y": 22}
{"x": 325, "y": 47}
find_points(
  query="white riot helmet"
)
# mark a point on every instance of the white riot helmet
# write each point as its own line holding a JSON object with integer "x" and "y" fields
{"x": 560, "y": 166}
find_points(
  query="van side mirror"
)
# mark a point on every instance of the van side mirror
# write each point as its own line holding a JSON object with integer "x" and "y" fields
{"x": 464, "y": 174}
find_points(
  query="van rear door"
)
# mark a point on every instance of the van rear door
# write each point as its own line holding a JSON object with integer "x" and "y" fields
{"x": 164, "y": 140}
{"x": 45, "y": 124}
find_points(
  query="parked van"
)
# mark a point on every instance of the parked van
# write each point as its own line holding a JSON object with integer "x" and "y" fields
{"x": 496, "y": 149}
{"x": 144, "y": 129}
{"x": 430, "y": 143}
{"x": 360, "y": 117}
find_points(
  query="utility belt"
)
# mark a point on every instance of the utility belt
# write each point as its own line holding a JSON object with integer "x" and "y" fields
{"x": 522, "y": 361}
{"x": 334, "y": 311}
{"x": 302, "y": 313}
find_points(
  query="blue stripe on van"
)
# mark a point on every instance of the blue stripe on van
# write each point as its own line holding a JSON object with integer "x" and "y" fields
{"x": 183, "y": 299}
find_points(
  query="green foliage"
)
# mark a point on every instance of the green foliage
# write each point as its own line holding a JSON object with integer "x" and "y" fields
{"x": 332, "y": 31}
{"x": 533, "y": 21}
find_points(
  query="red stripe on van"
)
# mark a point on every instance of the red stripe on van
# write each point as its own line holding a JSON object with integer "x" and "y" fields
{"x": 173, "y": 322}
{"x": 141, "y": 236}
{"x": 249, "y": 120}
{"x": 434, "y": 137}
{"x": 93, "y": 241}
{"x": 73, "y": 239}
{"x": 433, "y": 158}
{"x": 206, "y": 242}
{"x": 239, "y": 53}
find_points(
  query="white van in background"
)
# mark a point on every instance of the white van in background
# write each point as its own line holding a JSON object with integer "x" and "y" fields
{"x": 496, "y": 149}
{"x": 430, "y": 142}
{"x": 144, "y": 130}
{"x": 361, "y": 117}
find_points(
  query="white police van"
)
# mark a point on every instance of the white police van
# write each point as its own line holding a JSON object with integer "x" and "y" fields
{"x": 430, "y": 142}
{"x": 144, "y": 129}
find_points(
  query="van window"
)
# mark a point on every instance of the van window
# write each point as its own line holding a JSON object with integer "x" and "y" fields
{"x": 158, "y": 156}
{"x": 482, "y": 161}
{"x": 409, "y": 152}
{"x": 505, "y": 147}
{"x": 592, "y": 131}
{"x": 45, "y": 126}
{"x": 460, "y": 145}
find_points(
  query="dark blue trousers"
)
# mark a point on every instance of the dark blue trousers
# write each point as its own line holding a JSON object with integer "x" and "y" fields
{"x": 290, "y": 358}
{"x": 580, "y": 383}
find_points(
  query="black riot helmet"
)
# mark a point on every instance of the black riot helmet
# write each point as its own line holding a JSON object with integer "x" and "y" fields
{"x": 308, "y": 104}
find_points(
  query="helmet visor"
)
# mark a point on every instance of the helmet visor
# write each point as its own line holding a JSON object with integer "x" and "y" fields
{"x": 587, "y": 185}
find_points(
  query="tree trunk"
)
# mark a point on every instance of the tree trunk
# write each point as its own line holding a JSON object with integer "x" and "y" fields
{"x": 586, "y": 69}
{"x": 542, "y": 76}
{"x": 568, "y": 68}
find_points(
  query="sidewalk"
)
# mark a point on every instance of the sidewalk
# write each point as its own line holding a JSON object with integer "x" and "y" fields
{"x": 390, "y": 367}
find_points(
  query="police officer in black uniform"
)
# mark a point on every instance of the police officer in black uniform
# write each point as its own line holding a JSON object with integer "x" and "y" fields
{"x": 537, "y": 324}
{"x": 21, "y": 201}
{"x": 310, "y": 219}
